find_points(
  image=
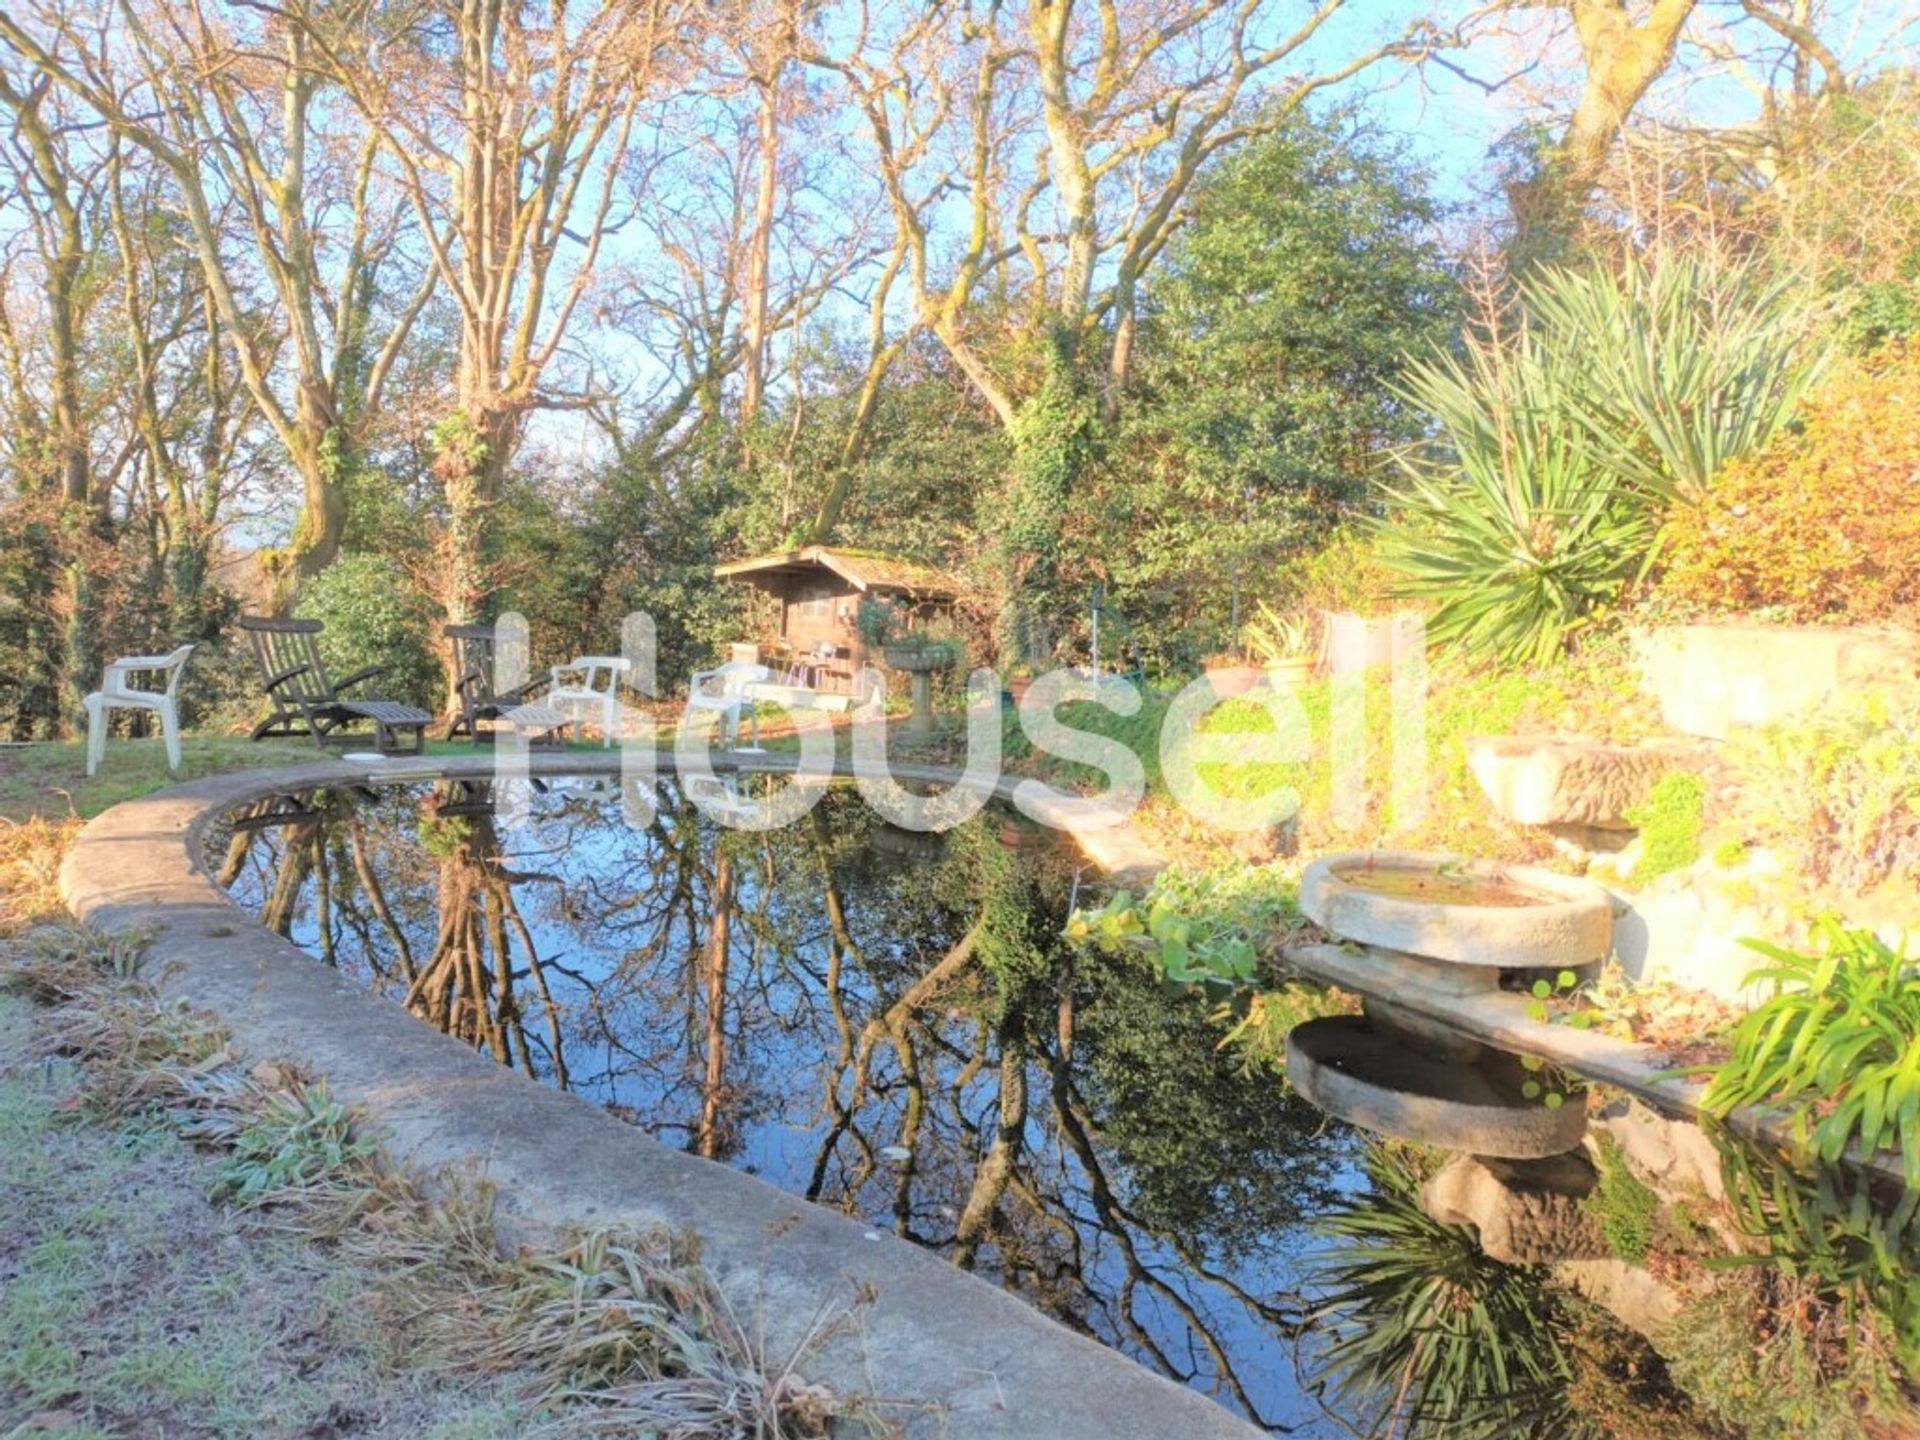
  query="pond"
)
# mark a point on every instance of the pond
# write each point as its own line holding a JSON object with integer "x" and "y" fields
{"x": 889, "y": 1024}
{"x": 883, "y": 1021}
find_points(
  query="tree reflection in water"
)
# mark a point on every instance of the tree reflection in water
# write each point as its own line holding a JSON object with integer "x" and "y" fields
{"x": 887, "y": 1024}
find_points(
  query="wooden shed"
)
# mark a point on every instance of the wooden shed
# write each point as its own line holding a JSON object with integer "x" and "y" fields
{"x": 819, "y": 590}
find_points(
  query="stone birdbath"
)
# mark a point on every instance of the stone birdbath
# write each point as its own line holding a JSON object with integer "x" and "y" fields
{"x": 920, "y": 659}
{"x": 1446, "y": 925}
{"x": 1454, "y": 924}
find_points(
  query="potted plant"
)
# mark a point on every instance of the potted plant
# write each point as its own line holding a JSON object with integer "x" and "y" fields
{"x": 1229, "y": 673}
{"x": 1284, "y": 646}
{"x": 1019, "y": 679}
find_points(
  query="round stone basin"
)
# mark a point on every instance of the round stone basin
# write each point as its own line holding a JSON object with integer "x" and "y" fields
{"x": 1373, "y": 1078}
{"x": 1467, "y": 912}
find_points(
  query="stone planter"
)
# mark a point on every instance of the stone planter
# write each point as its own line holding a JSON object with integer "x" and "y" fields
{"x": 1373, "y": 1078}
{"x": 1291, "y": 672}
{"x": 1232, "y": 681}
{"x": 918, "y": 658}
{"x": 1561, "y": 780}
{"x": 1711, "y": 679}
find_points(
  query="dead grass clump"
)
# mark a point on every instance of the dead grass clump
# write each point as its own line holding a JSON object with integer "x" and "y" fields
{"x": 618, "y": 1333}
{"x": 30, "y": 853}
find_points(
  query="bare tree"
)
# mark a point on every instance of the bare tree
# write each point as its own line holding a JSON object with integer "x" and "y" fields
{"x": 1621, "y": 56}
{"x": 503, "y": 125}
{"x": 59, "y": 189}
{"x": 229, "y": 100}
{"x": 1064, "y": 137}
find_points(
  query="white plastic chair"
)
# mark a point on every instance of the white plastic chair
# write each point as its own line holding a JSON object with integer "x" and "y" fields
{"x": 724, "y": 691}
{"x": 591, "y": 682}
{"x": 116, "y": 692}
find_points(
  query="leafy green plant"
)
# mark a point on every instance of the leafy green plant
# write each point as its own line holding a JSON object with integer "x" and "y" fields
{"x": 1201, "y": 927}
{"x": 1835, "y": 1047}
{"x": 877, "y": 621}
{"x": 1414, "y": 1314}
{"x": 301, "y": 1136}
{"x": 1274, "y": 637}
{"x": 1670, "y": 825}
{"x": 373, "y": 619}
{"x": 1828, "y": 1226}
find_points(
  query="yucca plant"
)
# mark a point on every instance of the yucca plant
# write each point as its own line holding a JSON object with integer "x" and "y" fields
{"x": 1536, "y": 502}
{"x": 1511, "y": 522}
{"x": 1835, "y": 1049}
{"x": 1689, "y": 361}
{"x": 1418, "y": 1321}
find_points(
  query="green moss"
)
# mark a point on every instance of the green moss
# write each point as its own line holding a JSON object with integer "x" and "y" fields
{"x": 1730, "y": 853}
{"x": 1628, "y": 1212}
{"x": 1670, "y": 824}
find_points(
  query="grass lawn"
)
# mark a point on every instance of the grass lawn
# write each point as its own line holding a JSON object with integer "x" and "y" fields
{"x": 50, "y": 781}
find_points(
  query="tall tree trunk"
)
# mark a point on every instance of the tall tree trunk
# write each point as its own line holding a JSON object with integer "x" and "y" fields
{"x": 1622, "y": 60}
{"x": 753, "y": 362}
{"x": 709, "y": 1139}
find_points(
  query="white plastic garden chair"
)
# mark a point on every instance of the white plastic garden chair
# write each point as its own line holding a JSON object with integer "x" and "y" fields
{"x": 116, "y": 692}
{"x": 723, "y": 690}
{"x": 588, "y": 683}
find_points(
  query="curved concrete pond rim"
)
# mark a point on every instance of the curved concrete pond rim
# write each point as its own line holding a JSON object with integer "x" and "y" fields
{"x": 965, "y": 1358}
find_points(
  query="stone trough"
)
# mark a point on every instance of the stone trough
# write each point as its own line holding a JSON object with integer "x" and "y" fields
{"x": 1456, "y": 922}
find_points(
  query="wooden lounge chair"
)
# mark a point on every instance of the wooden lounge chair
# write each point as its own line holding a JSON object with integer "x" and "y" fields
{"x": 481, "y": 698}
{"x": 306, "y": 702}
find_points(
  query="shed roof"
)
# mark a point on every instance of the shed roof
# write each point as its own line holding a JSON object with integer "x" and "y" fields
{"x": 865, "y": 570}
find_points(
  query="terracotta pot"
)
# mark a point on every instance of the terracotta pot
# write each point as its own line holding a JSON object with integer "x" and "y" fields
{"x": 1233, "y": 680}
{"x": 1018, "y": 685}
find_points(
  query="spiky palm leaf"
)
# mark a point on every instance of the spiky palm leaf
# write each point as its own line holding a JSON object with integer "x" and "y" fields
{"x": 1417, "y": 1320}
{"x": 1513, "y": 526}
{"x": 1538, "y": 501}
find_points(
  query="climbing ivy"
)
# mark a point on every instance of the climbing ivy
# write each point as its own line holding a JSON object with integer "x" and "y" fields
{"x": 1054, "y": 440}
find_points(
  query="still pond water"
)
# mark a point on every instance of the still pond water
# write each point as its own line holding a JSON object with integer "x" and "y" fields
{"x": 884, "y": 1022}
